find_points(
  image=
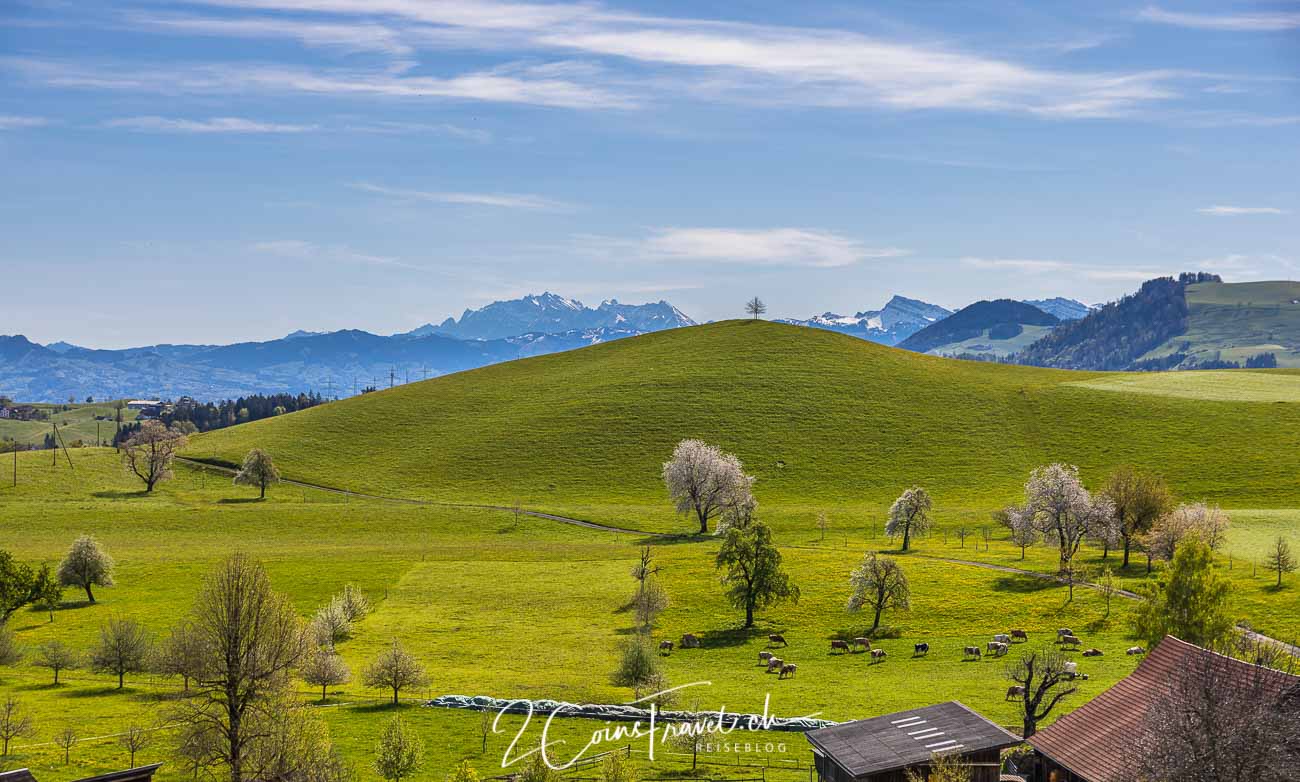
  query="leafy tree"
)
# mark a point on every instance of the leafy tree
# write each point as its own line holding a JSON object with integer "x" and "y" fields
{"x": 331, "y": 624}
{"x": 879, "y": 584}
{"x": 394, "y": 669}
{"x": 325, "y": 668}
{"x": 1280, "y": 559}
{"x": 47, "y": 591}
{"x": 354, "y": 603}
{"x": 649, "y": 601}
{"x": 86, "y": 565}
{"x": 1189, "y": 601}
{"x": 753, "y": 574}
{"x": 1138, "y": 499}
{"x": 463, "y": 773}
{"x": 909, "y": 515}
{"x": 258, "y": 470}
{"x": 19, "y": 585}
{"x": 537, "y": 771}
{"x": 942, "y": 768}
{"x": 10, "y": 652}
{"x": 247, "y": 638}
{"x": 617, "y": 768}
{"x": 638, "y": 664}
{"x": 1044, "y": 682}
{"x": 1108, "y": 586}
{"x": 15, "y": 722}
{"x": 703, "y": 480}
{"x": 1208, "y": 523}
{"x": 148, "y": 453}
{"x": 57, "y": 656}
{"x": 755, "y": 307}
{"x": 124, "y": 646}
{"x": 1064, "y": 513}
{"x": 399, "y": 753}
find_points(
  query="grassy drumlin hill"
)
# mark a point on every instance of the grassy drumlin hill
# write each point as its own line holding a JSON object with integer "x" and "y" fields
{"x": 822, "y": 419}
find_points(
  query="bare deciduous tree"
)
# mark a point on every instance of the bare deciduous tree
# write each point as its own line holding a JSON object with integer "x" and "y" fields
{"x": 1064, "y": 513}
{"x": 134, "y": 739}
{"x": 249, "y": 639}
{"x": 755, "y": 307}
{"x": 182, "y": 654}
{"x": 909, "y": 515}
{"x": 85, "y": 565}
{"x": 57, "y": 656}
{"x": 879, "y": 584}
{"x": 1208, "y": 523}
{"x": 823, "y": 524}
{"x": 1044, "y": 682}
{"x": 258, "y": 470}
{"x": 124, "y": 647}
{"x": 394, "y": 669}
{"x": 702, "y": 479}
{"x": 15, "y": 722}
{"x": 149, "y": 453}
{"x": 1280, "y": 559}
{"x": 65, "y": 739}
{"x": 325, "y": 668}
{"x": 1138, "y": 499}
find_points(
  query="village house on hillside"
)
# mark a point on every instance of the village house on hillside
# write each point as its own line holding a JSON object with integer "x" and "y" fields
{"x": 1092, "y": 743}
{"x": 884, "y": 749}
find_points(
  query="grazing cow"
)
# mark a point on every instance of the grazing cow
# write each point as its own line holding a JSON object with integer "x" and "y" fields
{"x": 763, "y": 657}
{"x": 1071, "y": 669}
{"x": 1094, "y": 652}
{"x": 788, "y": 668}
{"x": 1064, "y": 631}
{"x": 1135, "y": 650}
{"x": 862, "y": 643}
{"x": 1002, "y": 638}
{"x": 920, "y": 649}
{"x": 842, "y": 646}
{"x": 1071, "y": 640}
{"x": 1015, "y": 691}
{"x": 774, "y": 664}
{"x": 878, "y": 655}
{"x": 690, "y": 641}
{"x": 665, "y": 646}
{"x": 996, "y": 648}
{"x": 1019, "y": 635}
{"x": 972, "y": 652}
{"x": 776, "y": 638}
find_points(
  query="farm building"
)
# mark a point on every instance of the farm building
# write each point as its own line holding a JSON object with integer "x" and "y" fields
{"x": 140, "y": 774}
{"x": 884, "y": 749}
{"x": 1089, "y": 744}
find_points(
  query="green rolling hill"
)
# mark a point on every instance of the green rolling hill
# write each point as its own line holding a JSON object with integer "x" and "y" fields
{"x": 823, "y": 420}
{"x": 1235, "y": 321}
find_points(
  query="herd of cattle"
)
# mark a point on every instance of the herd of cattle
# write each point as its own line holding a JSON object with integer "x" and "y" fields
{"x": 999, "y": 646}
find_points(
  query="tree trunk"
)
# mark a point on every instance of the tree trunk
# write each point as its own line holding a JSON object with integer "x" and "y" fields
{"x": 749, "y": 615}
{"x": 89, "y": 595}
{"x": 1126, "y": 550}
{"x": 322, "y": 693}
{"x": 876, "y": 623}
{"x": 121, "y": 679}
{"x": 263, "y": 484}
{"x": 394, "y": 696}
{"x": 907, "y": 536}
{"x": 704, "y": 522}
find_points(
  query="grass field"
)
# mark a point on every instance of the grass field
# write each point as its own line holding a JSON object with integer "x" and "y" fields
{"x": 537, "y": 608}
{"x": 79, "y": 423}
{"x": 1235, "y": 321}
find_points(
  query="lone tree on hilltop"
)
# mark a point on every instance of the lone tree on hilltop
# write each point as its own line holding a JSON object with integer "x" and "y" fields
{"x": 150, "y": 451}
{"x": 1138, "y": 500}
{"x": 85, "y": 565}
{"x": 1044, "y": 682}
{"x": 754, "y": 577}
{"x": 755, "y": 307}
{"x": 258, "y": 470}
{"x": 700, "y": 478}
{"x": 1280, "y": 558}
{"x": 879, "y": 584}
{"x": 394, "y": 669}
{"x": 124, "y": 646}
{"x": 1189, "y": 601}
{"x": 909, "y": 515}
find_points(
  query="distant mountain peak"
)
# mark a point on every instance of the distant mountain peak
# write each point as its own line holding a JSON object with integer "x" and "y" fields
{"x": 896, "y": 321}
{"x": 1061, "y": 307}
{"x": 551, "y": 313}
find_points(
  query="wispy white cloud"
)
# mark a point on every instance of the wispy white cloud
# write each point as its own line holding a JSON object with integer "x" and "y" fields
{"x": 439, "y": 128}
{"x": 18, "y": 122}
{"x": 1257, "y": 22}
{"x": 213, "y": 125}
{"x": 1087, "y": 271}
{"x": 757, "y": 247}
{"x": 303, "y": 250}
{"x": 708, "y": 59}
{"x": 1029, "y": 265}
{"x": 1234, "y": 211}
{"x": 502, "y": 200}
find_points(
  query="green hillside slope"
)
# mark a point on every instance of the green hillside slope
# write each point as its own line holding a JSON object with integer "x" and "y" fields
{"x": 1235, "y": 321}
{"x": 822, "y": 419}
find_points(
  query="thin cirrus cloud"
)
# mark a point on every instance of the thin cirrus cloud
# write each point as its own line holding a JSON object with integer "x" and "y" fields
{"x": 154, "y": 124}
{"x": 1236, "y": 211}
{"x": 1257, "y": 22}
{"x": 1044, "y": 266}
{"x": 19, "y": 122}
{"x": 798, "y": 247}
{"x": 303, "y": 250}
{"x": 1029, "y": 265}
{"x": 704, "y": 58}
{"x": 501, "y": 200}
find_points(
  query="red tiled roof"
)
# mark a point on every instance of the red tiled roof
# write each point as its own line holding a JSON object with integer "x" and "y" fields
{"x": 1090, "y": 741}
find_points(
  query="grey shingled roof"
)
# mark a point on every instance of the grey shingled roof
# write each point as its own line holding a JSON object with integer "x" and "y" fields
{"x": 908, "y": 738}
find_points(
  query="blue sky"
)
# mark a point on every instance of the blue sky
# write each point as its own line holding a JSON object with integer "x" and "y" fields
{"x": 236, "y": 169}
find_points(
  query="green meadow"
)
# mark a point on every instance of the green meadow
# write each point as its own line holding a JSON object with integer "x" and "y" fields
{"x": 78, "y": 424}
{"x": 535, "y": 608}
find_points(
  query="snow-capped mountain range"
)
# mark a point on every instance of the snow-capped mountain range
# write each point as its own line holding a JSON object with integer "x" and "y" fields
{"x": 899, "y": 319}
{"x": 553, "y": 314}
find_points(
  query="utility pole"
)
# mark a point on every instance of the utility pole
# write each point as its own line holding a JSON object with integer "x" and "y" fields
{"x": 392, "y": 376}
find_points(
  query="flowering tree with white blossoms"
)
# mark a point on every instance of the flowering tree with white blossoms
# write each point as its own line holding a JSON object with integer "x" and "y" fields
{"x": 1058, "y": 508}
{"x": 703, "y": 480}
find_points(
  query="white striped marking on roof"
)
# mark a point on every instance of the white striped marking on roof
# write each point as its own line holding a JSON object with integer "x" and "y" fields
{"x": 914, "y": 732}
{"x": 913, "y": 719}
{"x": 941, "y": 744}
{"x": 928, "y": 735}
